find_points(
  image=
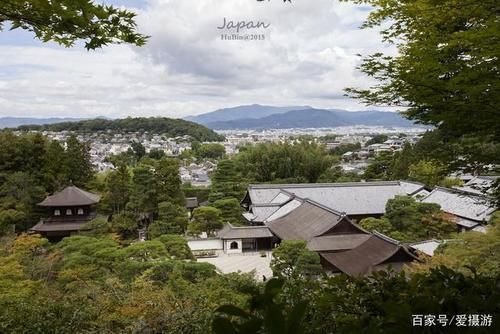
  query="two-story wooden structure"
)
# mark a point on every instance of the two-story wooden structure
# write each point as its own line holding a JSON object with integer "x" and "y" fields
{"x": 69, "y": 211}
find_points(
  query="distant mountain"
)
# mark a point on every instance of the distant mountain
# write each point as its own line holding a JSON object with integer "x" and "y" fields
{"x": 241, "y": 112}
{"x": 315, "y": 118}
{"x": 14, "y": 122}
{"x": 158, "y": 125}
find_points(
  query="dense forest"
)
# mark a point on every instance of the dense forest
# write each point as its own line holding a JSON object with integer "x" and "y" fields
{"x": 170, "y": 127}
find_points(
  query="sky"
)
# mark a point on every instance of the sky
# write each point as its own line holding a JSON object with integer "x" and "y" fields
{"x": 307, "y": 57}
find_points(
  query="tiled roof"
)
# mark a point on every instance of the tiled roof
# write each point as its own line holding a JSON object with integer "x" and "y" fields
{"x": 363, "y": 259}
{"x": 70, "y": 196}
{"x": 304, "y": 222}
{"x": 357, "y": 198}
{"x": 462, "y": 204}
{"x": 336, "y": 242}
{"x": 244, "y": 232}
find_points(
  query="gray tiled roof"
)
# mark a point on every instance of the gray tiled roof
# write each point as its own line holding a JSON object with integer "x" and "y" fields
{"x": 244, "y": 232}
{"x": 57, "y": 227}
{"x": 336, "y": 242}
{"x": 71, "y": 196}
{"x": 363, "y": 259}
{"x": 358, "y": 198}
{"x": 462, "y": 204}
{"x": 305, "y": 222}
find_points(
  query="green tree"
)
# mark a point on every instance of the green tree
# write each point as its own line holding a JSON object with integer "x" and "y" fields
{"x": 172, "y": 219}
{"x": 292, "y": 258}
{"x": 226, "y": 181}
{"x": 377, "y": 139}
{"x": 231, "y": 210}
{"x": 125, "y": 224}
{"x": 77, "y": 161}
{"x": 430, "y": 173}
{"x": 138, "y": 149}
{"x": 469, "y": 252}
{"x": 169, "y": 181}
{"x": 176, "y": 246}
{"x": 445, "y": 68}
{"x": 117, "y": 188}
{"x": 209, "y": 151}
{"x": 205, "y": 219}
{"x": 380, "y": 167}
{"x": 67, "y": 21}
{"x": 143, "y": 199}
{"x": 381, "y": 225}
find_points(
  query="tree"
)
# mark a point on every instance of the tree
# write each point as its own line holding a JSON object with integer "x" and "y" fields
{"x": 169, "y": 181}
{"x": 414, "y": 221}
{"x": 209, "y": 151}
{"x": 125, "y": 224}
{"x": 138, "y": 149}
{"x": 445, "y": 68}
{"x": 292, "y": 258}
{"x": 172, "y": 219}
{"x": 143, "y": 192}
{"x": 77, "y": 163}
{"x": 430, "y": 173}
{"x": 226, "y": 182}
{"x": 380, "y": 167}
{"x": 382, "y": 225}
{"x": 176, "y": 246}
{"x": 18, "y": 195}
{"x": 344, "y": 148}
{"x": 205, "y": 219}
{"x": 470, "y": 253}
{"x": 118, "y": 188}
{"x": 231, "y": 210}
{"x": 377, "y": 139}
{"x": 68, "y": 21}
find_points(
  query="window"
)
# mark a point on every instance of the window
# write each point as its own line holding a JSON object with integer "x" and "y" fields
{"x": 233, "y": 245}
{"x": 57, "y": 212}
{"x": 68, "y": 212}
{"x": 80, "y": 211}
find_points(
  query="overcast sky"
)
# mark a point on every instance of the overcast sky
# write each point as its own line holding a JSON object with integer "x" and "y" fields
{"x": 307, "y": 58}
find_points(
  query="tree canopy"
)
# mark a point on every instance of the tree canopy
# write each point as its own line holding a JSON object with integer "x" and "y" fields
{"x": 446, "y": 71}
{"x": 68, "y": 21}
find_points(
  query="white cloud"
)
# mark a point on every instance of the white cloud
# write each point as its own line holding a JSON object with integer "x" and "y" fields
{"x": 308, "y": 58}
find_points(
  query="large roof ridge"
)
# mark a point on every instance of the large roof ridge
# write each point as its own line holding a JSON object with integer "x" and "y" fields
{"x": 324, "y": 185}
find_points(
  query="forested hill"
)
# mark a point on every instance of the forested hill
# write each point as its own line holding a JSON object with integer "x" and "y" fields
{"x": 158, "y": 125}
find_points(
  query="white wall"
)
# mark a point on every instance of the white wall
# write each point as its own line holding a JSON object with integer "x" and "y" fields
{"x": 205, "y": 244}
{"x": 228, "y": 249}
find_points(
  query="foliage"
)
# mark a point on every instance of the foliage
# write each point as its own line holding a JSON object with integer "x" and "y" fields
{"x": 205, "y": 219}
{"x": 408, "y": 220}
{"x": 117, "y": 185}
{"x": 231, "y": 210}
{"x": 427, "y": 172}
{"x": 209, "y": 151}
{"x": 382, "y": 303}
{"x": 380, "y": 167}
{"x": 265, "y": 315}
{"x": 377, "y": 139}
{"x": 159, "y": 125}
{"x": 176, "y": 246}
{"x": 125, "y": 224}
{"x": 344, "y": 148}
{"x": 172, "y": 219}
{"x": 291, "y": 259}
{"x": 226, "y": 181}
{"x": 444, "y": 71}
{"x": 469, "y": 252}
{"x": 32, "y": 166}
{"x": 67, "y": 21}
{"x": 268, "y": 162}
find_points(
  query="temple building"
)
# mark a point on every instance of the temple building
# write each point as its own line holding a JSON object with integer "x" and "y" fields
{"x": 69, "y": 211}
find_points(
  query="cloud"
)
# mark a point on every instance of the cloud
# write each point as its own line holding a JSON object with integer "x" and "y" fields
{"x": 307, "y": 58}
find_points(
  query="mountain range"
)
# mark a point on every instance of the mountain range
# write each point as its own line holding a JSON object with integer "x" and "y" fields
{"x": 260, "y": 117}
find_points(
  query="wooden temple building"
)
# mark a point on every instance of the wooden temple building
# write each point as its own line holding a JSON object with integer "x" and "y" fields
{"x": 69, "y": 211}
